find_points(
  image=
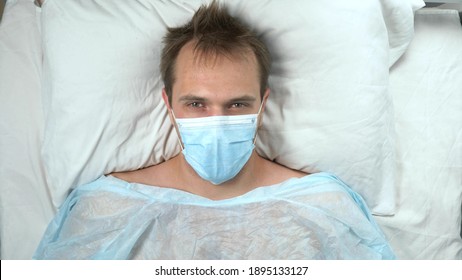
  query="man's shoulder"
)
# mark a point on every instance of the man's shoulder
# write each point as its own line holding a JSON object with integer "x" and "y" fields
{"x": 274, "y": 173}
{"x": 155, "y": 175}
{"x": 127, "y": 176}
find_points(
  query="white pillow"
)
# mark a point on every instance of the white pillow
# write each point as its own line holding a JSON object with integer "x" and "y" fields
{"x": 399, "y": 24}
{"x": 329, "y": 108}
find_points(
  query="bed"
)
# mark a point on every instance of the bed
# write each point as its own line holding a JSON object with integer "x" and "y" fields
{"x": 368, "y": 90}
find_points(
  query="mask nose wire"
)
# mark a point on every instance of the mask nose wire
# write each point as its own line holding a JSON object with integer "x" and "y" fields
{"x": 175, "y": 124}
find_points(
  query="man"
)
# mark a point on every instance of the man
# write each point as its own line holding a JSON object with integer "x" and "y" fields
{"x": 208, "y": 75}
{"x": 218, "y": 199}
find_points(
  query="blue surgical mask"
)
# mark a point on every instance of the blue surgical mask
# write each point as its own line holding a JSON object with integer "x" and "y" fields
{"x": 218, "y": 147}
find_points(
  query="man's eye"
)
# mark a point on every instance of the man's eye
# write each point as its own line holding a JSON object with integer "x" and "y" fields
{"x": 238, "y": 105}
{"x": 196, "y": 104}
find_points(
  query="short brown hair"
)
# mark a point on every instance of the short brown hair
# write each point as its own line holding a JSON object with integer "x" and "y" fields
{"x": 215, "y": 32}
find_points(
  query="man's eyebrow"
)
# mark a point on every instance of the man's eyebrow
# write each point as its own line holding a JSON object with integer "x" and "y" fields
{"x": 191, "y": 97}
{"x": 244, "y": 98}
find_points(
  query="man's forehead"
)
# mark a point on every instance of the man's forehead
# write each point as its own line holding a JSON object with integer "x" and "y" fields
{"x": 209, "y": 56}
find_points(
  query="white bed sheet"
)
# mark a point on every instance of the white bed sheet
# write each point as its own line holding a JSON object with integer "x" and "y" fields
{"x": 25, "y": 207}
{"x": 426, "y": 85}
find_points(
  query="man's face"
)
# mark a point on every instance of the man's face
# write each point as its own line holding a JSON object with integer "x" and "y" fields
{"x": 215, "y": 86}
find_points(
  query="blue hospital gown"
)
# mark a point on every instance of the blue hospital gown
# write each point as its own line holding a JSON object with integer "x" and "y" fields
{"x": 314, "y": 217}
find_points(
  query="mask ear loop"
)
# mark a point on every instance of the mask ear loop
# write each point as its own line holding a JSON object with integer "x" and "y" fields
{"x": 175, "y": 125}
{"x": 258, "y": 123}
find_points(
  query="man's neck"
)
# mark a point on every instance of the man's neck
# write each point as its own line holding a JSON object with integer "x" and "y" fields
{"x": 178, "y": 174}
{"x": 241, "y": 184}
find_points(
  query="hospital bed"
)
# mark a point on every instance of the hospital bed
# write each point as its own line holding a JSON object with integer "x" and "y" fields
{"x": 368, "y": 90}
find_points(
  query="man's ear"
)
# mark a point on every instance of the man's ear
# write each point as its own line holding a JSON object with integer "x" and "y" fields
{"x": 171, "y": 116}
{"x": 265, "y": 98}
{"x": 165, "y": 98}
{"x": 167, "y": 104}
